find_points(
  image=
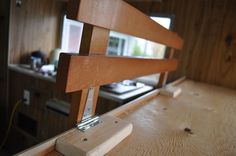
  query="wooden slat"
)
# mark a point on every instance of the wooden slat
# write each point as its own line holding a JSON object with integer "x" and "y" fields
{"x": 164, "y": 76}
{"x": 77, "y": 107}
{"x": 94, "y": 40}
{"x": 79, "y": 72}
{"x": 119, "y": 16}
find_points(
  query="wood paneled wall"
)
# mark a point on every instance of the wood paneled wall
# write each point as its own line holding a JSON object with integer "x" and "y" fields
{"x": 48, "y": 122}
{"x": 4, "y": 29}
{"x": 36, "y": 25}
{"x": 209, "y": 31}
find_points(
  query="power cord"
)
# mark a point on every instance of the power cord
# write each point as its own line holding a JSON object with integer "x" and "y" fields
{"x": 10, "y": 121}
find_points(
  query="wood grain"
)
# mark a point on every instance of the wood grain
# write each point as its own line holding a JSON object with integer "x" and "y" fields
{"x": 49, "y": 122}
{"x": 36, "y": 25}
{"x": 78, "y": 101}
{"x": 116, "y": 15}
{"x": 170, "y": 91}
{"x": 201, "y": 121}
{"x": 164, "y": 76}
{"x": 45, "y": 148}
{"x": 142, "y": 100}
{"x": 209, "y": 31}
{"x": 54, "y": 153}
{"x": 79, "y": 72}
{"x": 97, "y": 140}
{"x": 94, "y": 40}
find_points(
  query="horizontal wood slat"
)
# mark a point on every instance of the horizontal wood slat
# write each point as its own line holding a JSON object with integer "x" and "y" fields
{"x": 80, "y": 72}
{"x": 119, "y": 16}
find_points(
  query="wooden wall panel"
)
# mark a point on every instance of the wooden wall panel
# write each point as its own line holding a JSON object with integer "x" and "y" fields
{"x": 209, "y": 31}
{"x": 49, "y": 122}
{"x": 36, "y": 25}
{"x": 4, "y": 29}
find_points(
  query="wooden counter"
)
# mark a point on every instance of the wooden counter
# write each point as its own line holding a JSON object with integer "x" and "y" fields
{"x": 201, "y": 121}
{"x": 25, "y": 69}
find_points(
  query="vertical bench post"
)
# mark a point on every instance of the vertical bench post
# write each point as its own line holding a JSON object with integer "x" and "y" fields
{"x": 164, "y": 76}
{"x": 94, "y": 42}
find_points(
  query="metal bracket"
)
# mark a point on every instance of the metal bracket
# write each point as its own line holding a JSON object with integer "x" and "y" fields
{"x": 89, "y": 104}
{"x": 88, "y": 120}
{"x": 88, "y": 123}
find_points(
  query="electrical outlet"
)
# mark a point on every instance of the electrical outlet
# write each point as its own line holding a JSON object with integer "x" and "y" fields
{"x": 26, "y": 97}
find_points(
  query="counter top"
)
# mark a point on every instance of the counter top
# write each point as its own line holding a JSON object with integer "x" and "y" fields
{"x": 25, "y": 69}
{"x": 201, "y": 121}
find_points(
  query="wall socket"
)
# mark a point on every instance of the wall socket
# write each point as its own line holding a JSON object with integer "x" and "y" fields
{"x": 26, "y": 97}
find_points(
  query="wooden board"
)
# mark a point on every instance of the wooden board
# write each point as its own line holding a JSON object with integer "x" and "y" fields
{"x": 45, "y": 148}
{"x": 170, "y": 91}
{"x": 164, "y": 76}
{"x": 94, "y": 40}
{"x": 79, "y": 72}
{"x": 201, "y": 121}
{"x": 97, "y": 140}
{"x": 116, "y": 15}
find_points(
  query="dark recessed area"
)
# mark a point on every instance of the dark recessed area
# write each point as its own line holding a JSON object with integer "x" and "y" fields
{"x": 27, "y": 124}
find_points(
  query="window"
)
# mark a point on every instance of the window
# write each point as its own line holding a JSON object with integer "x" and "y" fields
{"x": 71, "y": 35}
{"x": 126, "y": 45}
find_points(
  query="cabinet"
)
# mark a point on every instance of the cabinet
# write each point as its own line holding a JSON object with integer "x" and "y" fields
{"x": 35, "y": 122}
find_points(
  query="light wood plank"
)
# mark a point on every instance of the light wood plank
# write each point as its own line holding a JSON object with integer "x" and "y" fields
{"x": 54, "y": 153}
{"x": 170, "y": 91}
{"x": 142, "y": 100}
{"x": 79, "y": 72}
{"x": 201, "y": 121}
{"x": 95, "y": 141}
{"x": 44, "y": 148}
{"x": 119, "y": 16}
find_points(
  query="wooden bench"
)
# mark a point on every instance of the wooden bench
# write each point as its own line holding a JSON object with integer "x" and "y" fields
{"x": 77, "y": 74}
{"x": 92, "y": 68}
